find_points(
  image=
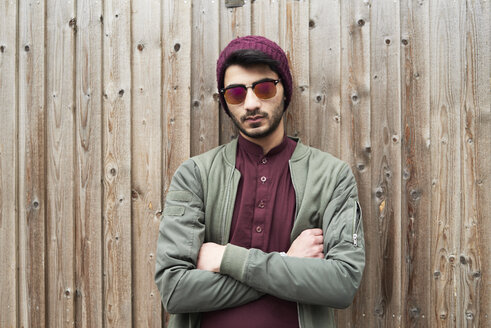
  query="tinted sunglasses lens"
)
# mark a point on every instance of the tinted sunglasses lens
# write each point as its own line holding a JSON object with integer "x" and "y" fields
{"x": 235, "y": 95}
{"x": 265, "y": 90}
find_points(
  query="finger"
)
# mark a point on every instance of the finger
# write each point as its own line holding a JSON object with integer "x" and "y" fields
{"x": 318, "y": 239}
{"x": 316, "y": 231}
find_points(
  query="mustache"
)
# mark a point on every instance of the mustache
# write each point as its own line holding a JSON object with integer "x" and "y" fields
{"x": 255, "y": 112}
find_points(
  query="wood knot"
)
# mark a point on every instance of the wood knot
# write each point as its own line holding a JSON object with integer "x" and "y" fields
{"x": 360, "y": 166}
{"x": 354, "y": 98}
{"x": 67, "y": 292}
{"x": 311, "y": 24}
{"x": 404, "y": 42}
{"x": 121, "y": 92}
{"x": 318, "y": 98}
{"x": 196, "y": 103}
{"x": 414, "y": 312}
{"x": 35, "y": 204}
{"x": 463, "y": 260}
{"x": 436, "y": 274}
{"x": 177, "y": 47}
{"x": 134, "y": 194}
{"x": 361, "y": 22}
{"x": 216, "y": 96}
{"x": 113, "y": 171}
{"x": 26, "y": 48}
{"x": 140, "y": 47}
{"x": 387, "y": 41}
{"x": 451, "y": 258}
{"x": 469, "y": 315}
{"x": 477, "y": 274}
{"x": 2, "y": 48}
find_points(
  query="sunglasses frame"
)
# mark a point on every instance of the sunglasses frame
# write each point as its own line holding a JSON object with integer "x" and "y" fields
{"x": 252, "y": 86}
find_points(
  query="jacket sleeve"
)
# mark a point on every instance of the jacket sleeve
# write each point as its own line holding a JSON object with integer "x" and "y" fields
{"x": 332, "y": 281}
{"x": 183, "y": 288}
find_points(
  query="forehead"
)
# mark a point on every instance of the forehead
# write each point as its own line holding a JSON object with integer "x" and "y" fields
{"x": 236, "y": 74}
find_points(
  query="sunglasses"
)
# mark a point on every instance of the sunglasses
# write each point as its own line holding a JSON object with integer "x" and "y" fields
{"x": 235, "y": 94}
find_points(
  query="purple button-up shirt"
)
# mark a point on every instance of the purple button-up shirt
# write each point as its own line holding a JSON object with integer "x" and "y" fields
{"x": 263, "y": 218}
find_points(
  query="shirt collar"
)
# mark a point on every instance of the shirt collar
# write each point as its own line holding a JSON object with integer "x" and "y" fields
{"x": 256, "y": 150}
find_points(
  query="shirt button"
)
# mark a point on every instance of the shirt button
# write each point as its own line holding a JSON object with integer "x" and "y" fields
{"x": 263, "y": 179}
{"x": 259, "y": 229}
{"x": 261, "y": 204}
{"x": 264, "y": 161}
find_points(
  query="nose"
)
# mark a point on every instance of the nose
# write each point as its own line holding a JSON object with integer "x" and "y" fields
{"x": 251, "y": 101}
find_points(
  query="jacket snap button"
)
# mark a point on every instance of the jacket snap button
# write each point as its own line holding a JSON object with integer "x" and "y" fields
{"x": 259, "y": 229}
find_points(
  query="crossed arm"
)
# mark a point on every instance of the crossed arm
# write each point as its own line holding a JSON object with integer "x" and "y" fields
{"x": 309, "y": 244}
{"x": 186, "y": 268}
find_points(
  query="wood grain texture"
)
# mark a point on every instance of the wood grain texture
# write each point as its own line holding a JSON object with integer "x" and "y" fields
{"x": 294, "y": 39}
{"x": 416, "y": 159}
{"x": 146, "y": 156}
{"x": 234, "y": 22}
{"x": 478, "y": 35}
{"x": 32, "y": 162}
{"x": 176, "y": 85}
{"x": 445, "y": 101}
{"x": 117, "y": 164}
{"x": 204, "y": 94}
{"x": 386, "y": 159}
{"x": 8, "y": 164}
{"x": 60, "y": 54}
{"x": 325, "y": 75}
{"x": 265, "y": 18}
{"x": 88, "y": 165}
{"x": 475, "y": 106}
{"x": 355, "y": 144}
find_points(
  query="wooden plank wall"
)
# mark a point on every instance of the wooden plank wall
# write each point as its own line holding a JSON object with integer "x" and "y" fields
{"x": 101, "y": 101}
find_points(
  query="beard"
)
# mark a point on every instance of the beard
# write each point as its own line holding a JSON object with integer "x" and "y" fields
{"x": 273, "y": 121}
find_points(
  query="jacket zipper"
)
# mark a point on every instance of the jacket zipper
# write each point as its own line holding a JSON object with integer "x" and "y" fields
{"x": 225, "y": 205}
{"x": 296, "y": 213}
{"x": 355, "y": 235}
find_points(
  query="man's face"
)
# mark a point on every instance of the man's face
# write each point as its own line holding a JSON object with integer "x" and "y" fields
{"x": 255, "y": 117}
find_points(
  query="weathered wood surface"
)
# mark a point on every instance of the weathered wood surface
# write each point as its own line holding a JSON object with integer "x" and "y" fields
{"x": 8, "y": 165}
{"x": 116, "y": 156}
{"x": 416, "y": 161}
{"x": 205, "y": 115}
{"x": 146, "y": 152}
{"x": 32, "y": 164}
{"x": 355, "y": 144}
{"x": 102, "y": 101}
{"x": 60, "y": 260}
{"x": 88, "y": 165}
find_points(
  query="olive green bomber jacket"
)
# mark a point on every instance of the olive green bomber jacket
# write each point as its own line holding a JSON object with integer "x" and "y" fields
{"x": 199, "y": 208}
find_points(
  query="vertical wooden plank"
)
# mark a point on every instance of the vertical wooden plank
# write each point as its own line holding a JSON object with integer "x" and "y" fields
{"x": 204, "y": 94}
{"x": 416, "y": 156}
{"x": 355, "y": 146}
{"x": 176, "y": 89}
{"x": 117, "y": 164}
{"x": 445, "y": 101}
{"x": 294, "y": 39}
{"x": 325, "y": 79}
{"x": 265, "y": 18}
{"x": 146, "y": 147}
{"x": 60, "y": 20}
{"x": 88, "y": 165}
{"x": 32, "y": 202}
{"x": 480, "y": 71}
{"x": 234, "y": 22}
{"x": 475, "y": 128}
{"x": 176, "y": 85}
{"x": 386, "y": 158}
{"x": 8, "y": 164}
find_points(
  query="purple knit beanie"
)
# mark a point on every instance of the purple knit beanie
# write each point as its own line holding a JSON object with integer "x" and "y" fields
{"x": 264, "y": 45}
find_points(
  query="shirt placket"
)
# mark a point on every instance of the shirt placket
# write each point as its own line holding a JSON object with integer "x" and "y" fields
{"x": 259, "y": 233}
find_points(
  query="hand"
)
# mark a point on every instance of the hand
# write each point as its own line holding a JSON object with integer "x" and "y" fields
{"x": 308, "y": 244}
{"x": 210, "y": 257}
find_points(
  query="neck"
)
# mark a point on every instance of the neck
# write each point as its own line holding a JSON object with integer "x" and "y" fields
{"x": 269, "y": 142}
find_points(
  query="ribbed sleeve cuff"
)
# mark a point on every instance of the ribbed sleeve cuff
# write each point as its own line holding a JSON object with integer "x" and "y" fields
{"x": 233, "y": 262}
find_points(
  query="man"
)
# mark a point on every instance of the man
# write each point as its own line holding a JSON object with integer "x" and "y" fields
{"x": 263, "y": 231}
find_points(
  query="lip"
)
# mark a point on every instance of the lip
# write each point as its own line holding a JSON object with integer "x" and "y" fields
{"x": 254, "y": 119}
